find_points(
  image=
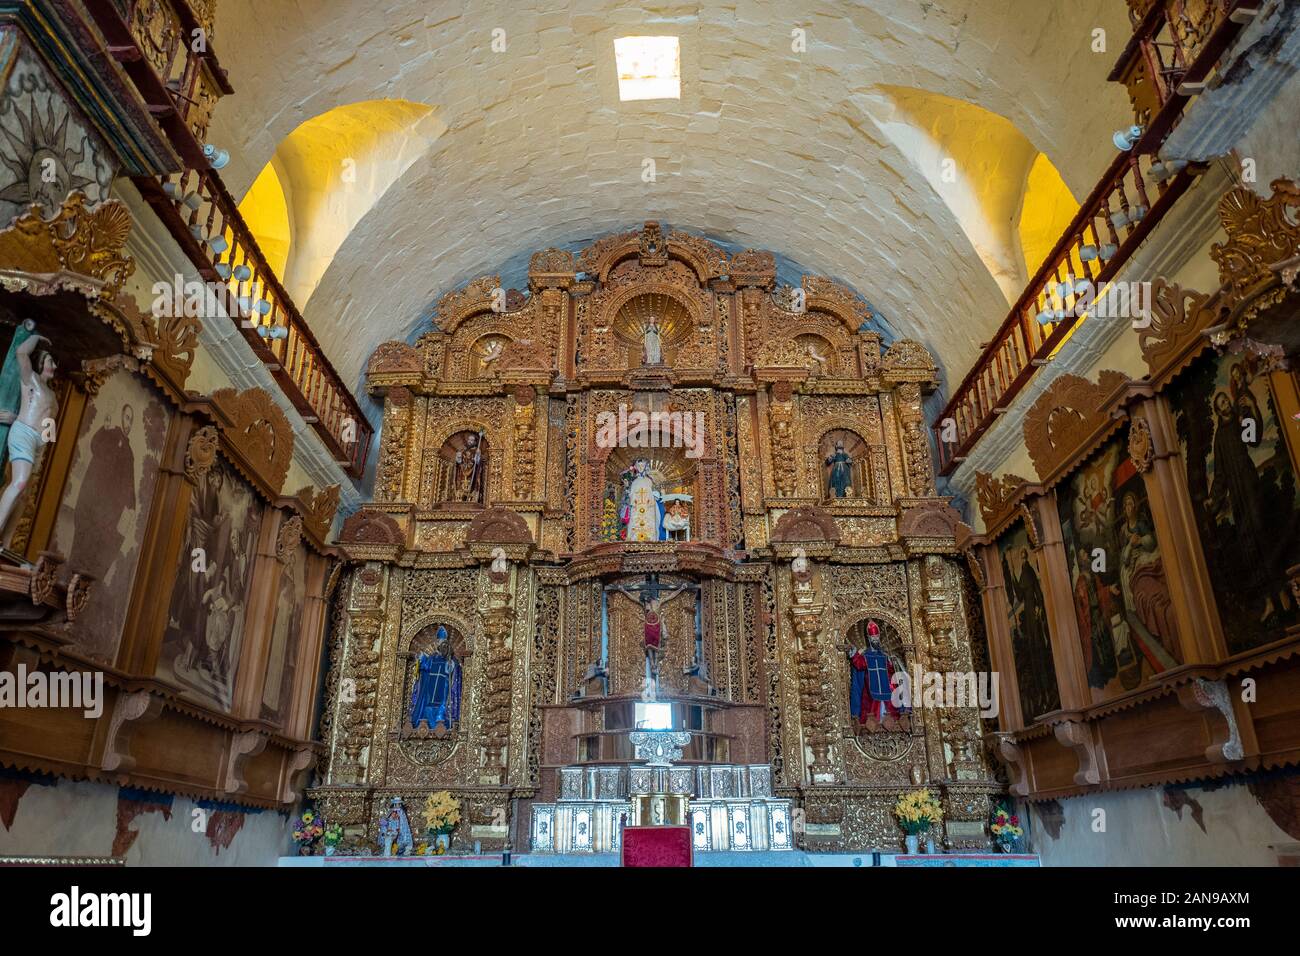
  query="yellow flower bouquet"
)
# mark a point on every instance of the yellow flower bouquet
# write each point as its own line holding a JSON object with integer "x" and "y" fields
{"x": 441, "y": 812}
{"x": 917, "y": 811}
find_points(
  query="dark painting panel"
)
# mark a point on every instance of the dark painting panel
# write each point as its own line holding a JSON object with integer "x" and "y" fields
{"x": 1242, "y": 484}
{"x": 104, "y": 513}
{"x": 1120, "y": 588}
{"x": 1031, "y": 641}
{"x": 205, "y": 617}
{"x": 286, "y": 635}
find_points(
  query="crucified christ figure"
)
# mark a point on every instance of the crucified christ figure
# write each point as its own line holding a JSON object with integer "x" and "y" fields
{"x": 652, "y": 598}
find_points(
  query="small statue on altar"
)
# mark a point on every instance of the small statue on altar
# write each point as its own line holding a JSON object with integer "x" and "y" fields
{"x": 677, "y": 516}
{"x": 436, "y": 699}
{"x": 652, "y": 600}
{"x": 652, "y": 353}
{"x": 799, "y": 565}
{"x": 395, "y": 831}
{"x": 840, "y": 479}
{"x": 27, "y": 406}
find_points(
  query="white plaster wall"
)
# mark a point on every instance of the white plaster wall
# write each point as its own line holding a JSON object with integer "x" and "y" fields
{"x": 80, "y": 819}
{"x": 1142, "y": 831}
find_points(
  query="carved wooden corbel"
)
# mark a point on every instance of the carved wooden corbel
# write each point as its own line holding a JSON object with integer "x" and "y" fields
{"x": 1013, "y": 758}
{"x": 296, "y": 771}
{"x": 1077, "y": 737}
{"x": 242, "y": 747}
{"x": 1201, "y": 694}
{"x": 129, "y": 712}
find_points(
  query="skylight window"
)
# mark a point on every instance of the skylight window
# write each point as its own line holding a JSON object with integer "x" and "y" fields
{"x": 649, "y": 68}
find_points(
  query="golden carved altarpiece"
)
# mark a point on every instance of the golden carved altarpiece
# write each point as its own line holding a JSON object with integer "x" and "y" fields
{"x": 768, "y": 372}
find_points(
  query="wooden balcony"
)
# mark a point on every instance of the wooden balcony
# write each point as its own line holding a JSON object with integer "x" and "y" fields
{"x": 166, "y": 49}
{"x": 1175, "y": 46}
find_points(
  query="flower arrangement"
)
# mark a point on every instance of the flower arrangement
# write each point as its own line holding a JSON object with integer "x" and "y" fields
{"x": 308, "y": 830}
{"x": 917, "y": 811}
{"x": 1005, "y": 827}
{"x": 333, "y": 834}
{"x": 441, "y": 812}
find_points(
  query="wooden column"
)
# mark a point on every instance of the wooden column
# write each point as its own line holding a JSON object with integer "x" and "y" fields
{"x": 259, "y": 619}
{"x": 157, "y": 570}
{"x": 1058, "y": 596}
{"x": 315, "y": 628}
{"x": 997, "y": 625}
{"x": 1200, "y": 632}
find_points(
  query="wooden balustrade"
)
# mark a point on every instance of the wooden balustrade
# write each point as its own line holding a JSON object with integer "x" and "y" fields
{"x": 1175, "y": 45}
{"x": 205, "y": 220}
{"x": 166, "y": 48}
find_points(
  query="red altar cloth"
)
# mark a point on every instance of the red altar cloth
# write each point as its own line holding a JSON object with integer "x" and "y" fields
{"x": 657, "y": 846}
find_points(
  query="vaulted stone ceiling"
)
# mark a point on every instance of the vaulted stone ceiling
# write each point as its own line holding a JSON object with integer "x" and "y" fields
{"x": 827, "y": 156}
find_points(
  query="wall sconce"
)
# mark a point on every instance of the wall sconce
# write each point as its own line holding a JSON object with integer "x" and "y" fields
{"x": 1126, "y": 139}
{"x": 217, "y": 158}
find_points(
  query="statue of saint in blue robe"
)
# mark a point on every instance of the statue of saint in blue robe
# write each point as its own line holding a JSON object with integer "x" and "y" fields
{"x": 841, "y": 477}
{"x": 437, "y": 687}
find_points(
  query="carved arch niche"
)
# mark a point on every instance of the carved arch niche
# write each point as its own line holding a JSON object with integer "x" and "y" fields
{"x": 457, "y": 651}
{"x": 461, "y": 469}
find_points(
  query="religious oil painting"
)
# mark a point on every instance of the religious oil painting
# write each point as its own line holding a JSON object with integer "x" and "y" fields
{"x": 282, "y": 663}
{"x": 1242, "y": 483}
{"x": 1031, "y": 641}
{"x": 205, "y": 617}
{"x": 104, "y": 512}
{"x": 1120, "y": 588}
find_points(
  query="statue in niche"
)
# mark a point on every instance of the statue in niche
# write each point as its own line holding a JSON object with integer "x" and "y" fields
{"x": 466, "y": 457}
{"x": 395, "y": 831}
{"x": 871, "y": 688}
{"x": 29, "y": 406}
{"x": 840, "y": 477}
{"x": 642, "y": 510}
{"x": 677, "y": 516}
{"x": 436, "y": 699}
{"x": 653, "y": 343}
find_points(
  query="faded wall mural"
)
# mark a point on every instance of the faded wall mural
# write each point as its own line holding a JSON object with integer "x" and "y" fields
{"x": 1120, "y": 590}
{"x": 1242, "y": 483}
{"x": 205, "y": 618}
{"x": 104, "y": 513}
{"x": 1031, "y": 642}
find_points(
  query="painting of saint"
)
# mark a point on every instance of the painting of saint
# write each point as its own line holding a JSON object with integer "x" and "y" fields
{"x": 1121, "y": 593}
{"x": 105, "y": 509}
{"x": 205, "y": 617}
{"x": 1242, "y": 483}
{"x": 1031, "y": 641}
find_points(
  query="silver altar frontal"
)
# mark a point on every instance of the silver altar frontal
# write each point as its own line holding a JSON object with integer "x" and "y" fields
{"x": 728, "y": 807}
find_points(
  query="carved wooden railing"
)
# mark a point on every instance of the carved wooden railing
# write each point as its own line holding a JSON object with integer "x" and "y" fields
{"x": 204, "y": 218}
{"x": 165, "y": 47}
{"x": 1176, "y": 44}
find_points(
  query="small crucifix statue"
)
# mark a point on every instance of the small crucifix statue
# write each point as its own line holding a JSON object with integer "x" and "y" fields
{"x": 652, "y": 597}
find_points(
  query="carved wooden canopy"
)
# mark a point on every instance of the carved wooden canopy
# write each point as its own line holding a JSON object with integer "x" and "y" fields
{"x": 1071, "y": 412}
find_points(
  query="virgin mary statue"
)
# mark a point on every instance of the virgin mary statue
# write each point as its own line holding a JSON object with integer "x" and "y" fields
{"x": 642, "y": 512}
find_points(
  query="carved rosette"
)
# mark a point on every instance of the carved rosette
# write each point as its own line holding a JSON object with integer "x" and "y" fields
{"x": 287, "y": 541}
{"x": 201, "y": 453}
{"x": 1141, "y": 450}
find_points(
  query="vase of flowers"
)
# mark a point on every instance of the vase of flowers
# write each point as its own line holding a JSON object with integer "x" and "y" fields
{"x": 1006, "y": 829}
{"x": 917, "y": 811}
{"x": 332, "y": 837}
{"x": 307, "y": 831}
{"x": 441, "y": 814}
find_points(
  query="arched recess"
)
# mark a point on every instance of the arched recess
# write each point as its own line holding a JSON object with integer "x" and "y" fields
{"x": 1007, "y": 196}
{"x": 327, "y": 174}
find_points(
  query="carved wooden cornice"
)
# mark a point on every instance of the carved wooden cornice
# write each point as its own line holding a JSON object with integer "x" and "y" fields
{"x": 909, "y": 361}
{"x": 317, "y": 509}
{"x": 1070, "y": 417}
{"x": 1176, "y": 335}
{"x": 257, "y": 437}
{"x": 996, "y": 496}
{"x": 371, "y": 535}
